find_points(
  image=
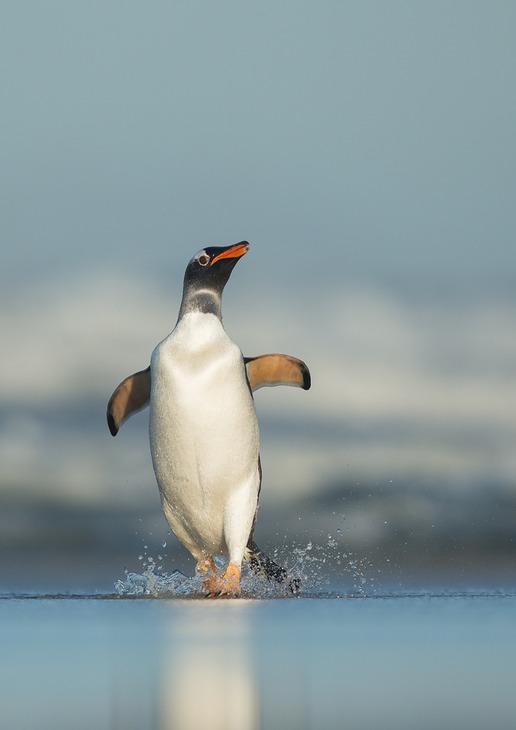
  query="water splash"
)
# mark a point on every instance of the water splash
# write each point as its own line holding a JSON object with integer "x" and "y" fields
{"x": 154, "y": 584}
{"x": 314, "y": 567}
{"x": 319, "y": 565}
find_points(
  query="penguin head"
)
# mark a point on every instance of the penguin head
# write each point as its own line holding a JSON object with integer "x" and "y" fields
{"x": 206, "y": 276}
{"x": 211, "y": 267}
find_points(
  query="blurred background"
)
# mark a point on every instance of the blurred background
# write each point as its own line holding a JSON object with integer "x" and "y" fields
{"x": 367, "y": 152}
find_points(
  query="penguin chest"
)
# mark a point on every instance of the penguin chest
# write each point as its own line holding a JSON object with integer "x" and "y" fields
{"x": 204, "y": 434}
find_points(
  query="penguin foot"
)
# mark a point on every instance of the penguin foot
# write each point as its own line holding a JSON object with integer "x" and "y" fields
{"x": 261, "y": 564}
{"x": 230, "y": 583}
{"x": 207, "y": 570}
{"x": 215, "y": 585}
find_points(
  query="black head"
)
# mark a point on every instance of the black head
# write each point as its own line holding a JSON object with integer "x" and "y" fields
{"x": 206, "y": 276}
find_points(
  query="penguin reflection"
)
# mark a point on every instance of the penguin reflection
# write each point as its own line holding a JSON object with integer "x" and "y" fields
{"x": 208, "y": 680}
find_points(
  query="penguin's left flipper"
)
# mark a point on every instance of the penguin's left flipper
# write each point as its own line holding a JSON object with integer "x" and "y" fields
{"x": 276, "y": 369}
{"x": 130, "y": 396}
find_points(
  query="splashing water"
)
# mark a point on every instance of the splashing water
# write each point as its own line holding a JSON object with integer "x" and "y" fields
{"x": 319, "y": 565}
{"x": 150, "y": 583}
{"x": 153, "y": 582}
{"x": 311, "y": 566}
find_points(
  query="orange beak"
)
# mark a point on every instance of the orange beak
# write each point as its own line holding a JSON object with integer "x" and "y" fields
{"x": 232, "y": 252}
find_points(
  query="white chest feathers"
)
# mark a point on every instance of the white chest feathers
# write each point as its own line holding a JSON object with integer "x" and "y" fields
{"x": 204, "y": 436}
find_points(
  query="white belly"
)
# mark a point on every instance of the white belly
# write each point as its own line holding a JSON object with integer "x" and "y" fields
{"x": 204, "y": 438}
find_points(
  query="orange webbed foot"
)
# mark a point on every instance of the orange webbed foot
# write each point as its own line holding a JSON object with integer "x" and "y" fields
{"x": 230, "y": 582}
{"x": 207, "y": 570}
{"x": 215, "y": 585}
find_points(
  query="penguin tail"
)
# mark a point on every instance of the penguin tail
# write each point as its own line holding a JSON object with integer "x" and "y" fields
{"x": 261, "y": 564}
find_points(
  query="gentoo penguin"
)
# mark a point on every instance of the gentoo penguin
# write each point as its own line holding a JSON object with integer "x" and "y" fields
{"x": 204, "y": 434}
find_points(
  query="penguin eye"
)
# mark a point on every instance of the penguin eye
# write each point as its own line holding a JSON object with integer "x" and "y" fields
{"x": 204, "y": 259}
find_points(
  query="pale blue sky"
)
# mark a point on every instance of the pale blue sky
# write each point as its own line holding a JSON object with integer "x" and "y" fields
{"x": 346, "y": 140}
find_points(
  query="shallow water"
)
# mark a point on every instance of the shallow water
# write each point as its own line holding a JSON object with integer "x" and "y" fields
{"x": 427, "y": 659}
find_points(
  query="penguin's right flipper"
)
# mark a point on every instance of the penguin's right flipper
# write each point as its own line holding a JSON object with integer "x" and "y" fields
{"x": 261, "y": 564}
{"x": 130, "y": 396}
{"x": 276, "y": 369}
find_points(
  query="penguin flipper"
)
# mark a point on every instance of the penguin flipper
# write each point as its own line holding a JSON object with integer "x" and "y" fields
{"x": 133, "y": 393}
{"x": 130, "y": 396}
{"x": 276, "y": 369}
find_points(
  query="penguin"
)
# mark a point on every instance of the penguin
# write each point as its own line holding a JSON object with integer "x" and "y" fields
{"x": 203, "y": 428}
